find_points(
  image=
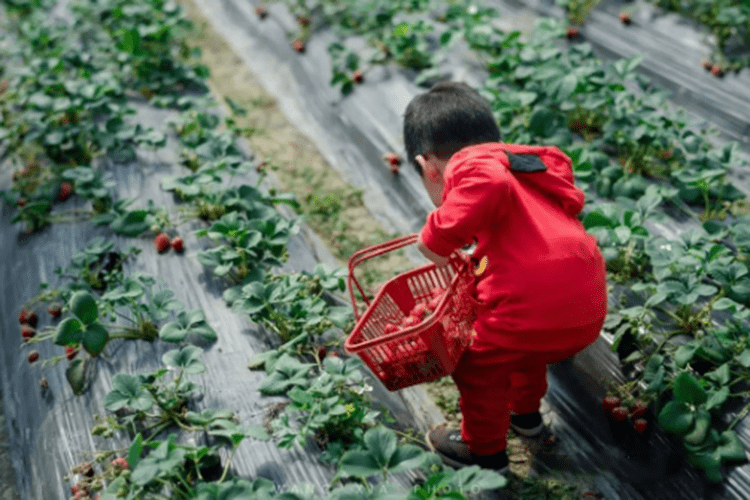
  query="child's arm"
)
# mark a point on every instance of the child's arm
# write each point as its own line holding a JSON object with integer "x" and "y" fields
{"x": 476, "y": 198}
{"x": 437, "y": 259}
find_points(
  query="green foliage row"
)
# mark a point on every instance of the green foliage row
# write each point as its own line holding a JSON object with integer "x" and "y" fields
{"x": 327, "y": 395}
{"x": 680, "y": 308}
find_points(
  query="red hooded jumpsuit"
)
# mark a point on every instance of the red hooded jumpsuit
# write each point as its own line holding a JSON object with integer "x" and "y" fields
{"x": 543, "y": 295}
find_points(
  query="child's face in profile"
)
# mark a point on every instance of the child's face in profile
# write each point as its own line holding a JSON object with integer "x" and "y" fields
{"x": 432, "y": 177}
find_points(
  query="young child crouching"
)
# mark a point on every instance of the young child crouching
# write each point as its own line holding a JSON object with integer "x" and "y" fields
{"x": 543, "y": 294}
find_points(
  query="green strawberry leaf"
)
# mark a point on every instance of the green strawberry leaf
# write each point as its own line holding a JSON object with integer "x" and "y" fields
{"x": 406, "y": 457}
{"x": 68, "y": 332}
{"x": 186, "y": 358}
{"x": 730, "y": 447}
{"x": 717, "y": 398}
{"x": 381, "y": 443}
{"x": 127, "y": 390}
{"x": 188, "y": 322}
{"x": 207, "y": 416}
{"x": 135, "y": 450}
{"x": 75, "y": 373}
{"x": 700, "y": 430}
{"x": 131, "y": 223}
{"x": 95, "y": 338}
{"x": 676, "y": 417}
{"x": 688, "y": 390}
{"x": 474, "y": 478}
{"x": 359, "y": 463}
{"x": 83, "y": 305}
{"x": 709, "y": 463}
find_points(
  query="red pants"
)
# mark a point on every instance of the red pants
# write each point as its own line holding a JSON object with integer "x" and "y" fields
{"x": 495, "y": 381}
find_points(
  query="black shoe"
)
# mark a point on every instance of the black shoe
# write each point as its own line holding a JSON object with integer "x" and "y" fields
{"x": 527, "y": 424}
{"x": 452, "y": 450}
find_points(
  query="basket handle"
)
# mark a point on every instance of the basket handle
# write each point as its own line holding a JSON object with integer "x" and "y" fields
{"x": 368, "y": 253}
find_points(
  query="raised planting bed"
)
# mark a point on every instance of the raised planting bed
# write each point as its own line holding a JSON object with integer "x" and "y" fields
{"x": 662, "y": 143}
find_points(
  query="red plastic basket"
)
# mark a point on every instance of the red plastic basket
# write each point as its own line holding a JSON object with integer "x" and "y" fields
{"x": 424, "y": 352}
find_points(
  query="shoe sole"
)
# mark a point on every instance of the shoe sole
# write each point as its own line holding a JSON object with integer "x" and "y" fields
{"x": 452, "y": 463}
{"x": 533, "y": 432}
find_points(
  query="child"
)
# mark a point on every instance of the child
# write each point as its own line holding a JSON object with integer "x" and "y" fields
{"x": 542, "y": 296}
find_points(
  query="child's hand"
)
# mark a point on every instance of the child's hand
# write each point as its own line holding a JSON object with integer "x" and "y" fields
{"x": 437, "y": 259}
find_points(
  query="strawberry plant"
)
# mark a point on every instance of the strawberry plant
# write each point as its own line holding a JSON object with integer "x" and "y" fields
{"x": 148, "y": 41}
{"x": 146, "y": 406}
{"x": 621, "y": 234}
{"x": 577, "y": 10}
{"x": 332, "y": 409}
{"x": 246, "y": 246}
{"x": 293, "y": 303}
{"x": 381, "y": 455}
{"x": 728, "y": 22}
{"x": 131, "y": 299}
{"x": 687, "y": 415}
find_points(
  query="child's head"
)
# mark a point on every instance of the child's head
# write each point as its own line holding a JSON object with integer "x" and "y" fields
{"x": 445, "y": 119}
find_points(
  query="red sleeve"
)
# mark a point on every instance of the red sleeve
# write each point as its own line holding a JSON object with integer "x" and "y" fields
{"x": 474, "y": 194}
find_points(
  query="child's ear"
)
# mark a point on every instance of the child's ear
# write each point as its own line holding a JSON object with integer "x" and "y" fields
{"x": 422, "y": 161}
{"x": 429, "y": 170}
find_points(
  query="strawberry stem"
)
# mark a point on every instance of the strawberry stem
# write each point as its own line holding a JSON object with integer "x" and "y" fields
{"x": 740, "y": 416}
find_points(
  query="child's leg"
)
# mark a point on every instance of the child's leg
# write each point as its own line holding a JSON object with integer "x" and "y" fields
{"x": 483, "y": 385}
{"x": 528, "y": 380}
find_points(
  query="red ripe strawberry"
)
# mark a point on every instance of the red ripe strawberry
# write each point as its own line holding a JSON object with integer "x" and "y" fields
{"x": 572, "y": 32}
{"x": 717, "y": 70}
{"x": 410, "y": 321}
{"x": 619, "y": 413}
{"x": 23, "y": 315}
{"x": 393, "y": 159}
{"x": 70, "y": 352}
{"x": 27, "y": 332}
{"x": 610, "y": 403}
{"x": 433, "y": 303}
{"x": 640, "y": 425}
{"x": 178, "y": 244}
{"x": 358, "y": 77}
{"x": 161, "y": 242}
{"x": 21, "y": 202}
{"x": 707, "y": 65}
{"x": 419, "y": 311}
{"x": 28, "y": 317}
{"x": 66, "y": 189}
{"x": 390, "y": 328}
{"x": 33, "y": 356}
{"x": 75, "y": 489}
{"x": 120, "y": 462}
{"x": 54, "y": 310}
{"x": 638, "y": 409}
{"x": 298, "y": 45}
{"x": 625, "y": 18}
{"x": 261, "y": 11}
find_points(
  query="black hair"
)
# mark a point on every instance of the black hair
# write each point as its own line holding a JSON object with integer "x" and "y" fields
{"x": 445, "y": 119}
